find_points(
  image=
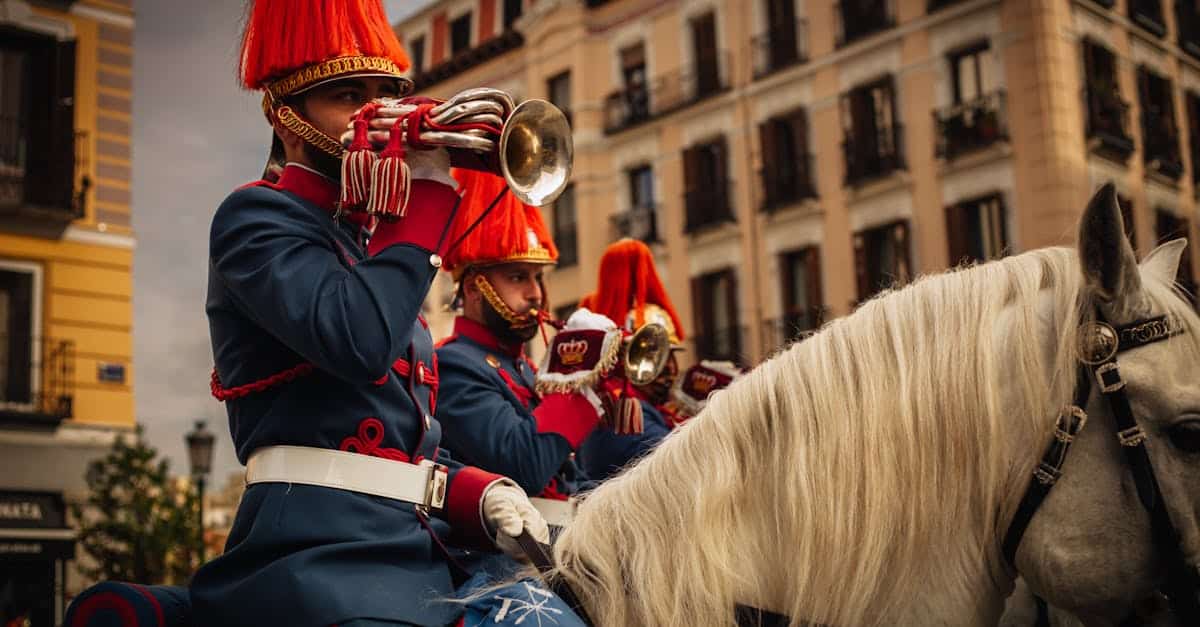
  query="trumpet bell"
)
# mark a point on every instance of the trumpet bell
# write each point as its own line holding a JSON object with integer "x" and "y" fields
{"x": 646, "y": 353}
{"x": 536, "y": 152}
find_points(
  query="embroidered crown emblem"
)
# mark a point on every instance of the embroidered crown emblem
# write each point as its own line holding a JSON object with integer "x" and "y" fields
{"x": 572, "y": 353}
{"x": 703, "y": 382}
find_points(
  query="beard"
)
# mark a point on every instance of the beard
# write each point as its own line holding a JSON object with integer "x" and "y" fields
{"x": 658, "y": 391}
{"x": 505, "y": 331}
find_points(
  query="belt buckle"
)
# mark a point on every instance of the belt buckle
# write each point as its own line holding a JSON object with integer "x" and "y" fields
{"x": 435, "y": 485}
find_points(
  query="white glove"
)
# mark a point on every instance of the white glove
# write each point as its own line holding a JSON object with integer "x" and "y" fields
{"x": 431, "y": 165}
{"x": 508, "y": 512}
{"x": 584, "y": 318}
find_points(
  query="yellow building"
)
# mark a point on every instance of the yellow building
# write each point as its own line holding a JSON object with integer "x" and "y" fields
{"x": 788, "y": 158}
{"x": 66, "y": 254}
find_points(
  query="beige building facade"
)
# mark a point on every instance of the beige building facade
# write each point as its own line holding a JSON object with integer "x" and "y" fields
{"x": 786, "y": 159}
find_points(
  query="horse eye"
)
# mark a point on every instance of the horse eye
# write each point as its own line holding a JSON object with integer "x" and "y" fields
{"x": 1186, "y": 436}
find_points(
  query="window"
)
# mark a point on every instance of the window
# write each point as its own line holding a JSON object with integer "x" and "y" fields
{"x": 706, "y": 186}
{"x": 970, "y": 73}
{"x": 640, "y": 222}
{"x": 872, "y": 135}
{"x": 802, "y": 299}
{"x": 1170, "y": 226}
{"x": 782, "y": 45}
{"x": 641, "y": 187}
{"x": 633, "y": 72}
{"x": 460, "y": 34}
{"x": 417, "y": 51}
{"x": 1107, "y": 112}
{"x": 512, "y": 11}
{"x": 1149, "y": 15}
{"x": 714, "y": 298}
{"x": 860, "y": 18}
{"x": 704, "y": 52}
{"x": 18, "y": 376}
{"x": 785, "y": 170}
{"x": 882, "y": 258}
{"x": 566, "y": 229}
{"x": 37, "y": 121}
{"x": 1159, "y": 131}
{"x": 976, "y": 229}
{"x": 558, "y": 92}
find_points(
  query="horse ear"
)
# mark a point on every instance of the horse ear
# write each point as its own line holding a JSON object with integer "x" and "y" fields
{"x": 1163, "y": 262}
{"x": 1109, "y": 267}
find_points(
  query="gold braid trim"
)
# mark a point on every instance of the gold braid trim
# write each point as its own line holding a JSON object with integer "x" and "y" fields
{"x": 324, "y": 70}
{"x": 511, "y": 317}
{"x": 309, "y": 133}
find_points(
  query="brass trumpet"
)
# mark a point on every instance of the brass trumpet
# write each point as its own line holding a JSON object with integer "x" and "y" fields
{"x": 646, "y": 353}
{"x": 530, "y": 145}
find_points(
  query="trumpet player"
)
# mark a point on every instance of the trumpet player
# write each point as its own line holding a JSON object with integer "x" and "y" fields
{"x": 490, "y": 410}
{"x": 326, "y": 368}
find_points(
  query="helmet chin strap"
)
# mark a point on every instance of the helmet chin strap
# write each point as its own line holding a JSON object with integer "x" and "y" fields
{"x": 515, "y": 320}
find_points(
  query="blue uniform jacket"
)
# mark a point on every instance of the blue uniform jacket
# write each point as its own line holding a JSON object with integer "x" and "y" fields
{"x": 290, "y": 285}
{"x": 486, "y": 412}
{"x": 605, "y": 452}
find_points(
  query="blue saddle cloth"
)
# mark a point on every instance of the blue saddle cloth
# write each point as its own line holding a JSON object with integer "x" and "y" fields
{"x": 118, "y": 604}
{"x": 526, "y": 603}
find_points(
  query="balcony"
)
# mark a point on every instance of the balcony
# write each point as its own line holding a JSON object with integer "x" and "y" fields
{"x": 38, "y": 186}
{"x": 780, "y": 47}
{"x": 708, "y": 206}
{"x": 638, "y": 223}
{"x": 971, "y": 126}
{"x": 791, "y": 327}
{"x": 467, "y": 59}
{"x": 37, "y": 385}
{"x": 665, "y": 94}
{"x": 1187, "y": 24}
{"x": 724, "y": 344}
{"x": 1108, "y": 124}
{"x": 857, "y": 19}
{"x": 1149, "y": 15}
{"x": 787, "y": 183}
{"x": 866, "y": 161}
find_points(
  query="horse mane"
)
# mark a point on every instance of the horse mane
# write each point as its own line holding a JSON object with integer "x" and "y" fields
{"x": 861, "y": 467}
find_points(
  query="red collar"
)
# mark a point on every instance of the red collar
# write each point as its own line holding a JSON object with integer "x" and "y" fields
{"x": 319, "y": 190}
{"x": 476, "y": 332}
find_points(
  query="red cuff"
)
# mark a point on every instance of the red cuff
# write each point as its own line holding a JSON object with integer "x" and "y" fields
{"x": 463, "y": 508}
{"x": 569, "y": 415}
{"x": 424, "y": 221}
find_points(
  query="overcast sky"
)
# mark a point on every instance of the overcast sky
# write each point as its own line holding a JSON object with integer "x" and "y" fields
{"x": 196, "y": 137}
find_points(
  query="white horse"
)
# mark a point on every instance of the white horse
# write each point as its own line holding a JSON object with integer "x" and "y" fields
{"x": 867, "y": 475}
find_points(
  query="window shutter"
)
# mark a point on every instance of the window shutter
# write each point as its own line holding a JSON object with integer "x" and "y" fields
{"x": 770, "y": 166}
{"x": 956, "y": 234}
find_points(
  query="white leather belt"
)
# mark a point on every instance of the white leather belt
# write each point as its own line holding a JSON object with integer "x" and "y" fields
{"x": 557, "y": 513}
{"x": 423, "y": 483}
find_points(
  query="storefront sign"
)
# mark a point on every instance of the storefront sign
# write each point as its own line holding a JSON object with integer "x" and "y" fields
{"x": 32, "y": 510}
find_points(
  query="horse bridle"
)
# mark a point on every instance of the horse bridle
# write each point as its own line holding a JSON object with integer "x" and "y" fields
{"x": 1098, "y": 346}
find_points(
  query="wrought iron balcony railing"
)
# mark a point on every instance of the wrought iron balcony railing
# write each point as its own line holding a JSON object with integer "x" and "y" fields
{"x": 666, "y": 93}
{"x": 37, "y": 380}
{"x": 874, "y": 159}
{"x": 787, "y": 183}
{"x": 971, "y": 125}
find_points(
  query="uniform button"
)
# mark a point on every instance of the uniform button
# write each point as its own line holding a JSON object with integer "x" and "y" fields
{"x": 435, "y": 260}
{"x": 492, "y": 361}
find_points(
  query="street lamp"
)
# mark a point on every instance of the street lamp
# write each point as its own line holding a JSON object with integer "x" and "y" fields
{"x": 200, "y": 448}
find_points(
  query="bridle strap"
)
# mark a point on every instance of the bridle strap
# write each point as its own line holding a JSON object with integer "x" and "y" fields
{"x": 1183, "y": 580}
{"x": 1069, "y": 423}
